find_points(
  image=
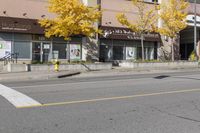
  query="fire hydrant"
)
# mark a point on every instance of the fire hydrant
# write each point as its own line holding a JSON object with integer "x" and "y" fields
{"x": 56, "y": 65}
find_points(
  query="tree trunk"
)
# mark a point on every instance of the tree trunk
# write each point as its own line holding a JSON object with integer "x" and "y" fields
{"x": 172, "y": 49}
{"x": 142, "y": 44}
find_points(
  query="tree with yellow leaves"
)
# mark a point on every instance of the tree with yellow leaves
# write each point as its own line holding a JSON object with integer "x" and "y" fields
{"x": 72, "y": 18}
{"x": 146, "y": 22}
{"x": 173, "y": 17}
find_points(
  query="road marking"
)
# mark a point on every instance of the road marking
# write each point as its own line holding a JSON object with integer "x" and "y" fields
{"x": 16, "y": 98}
{"x": 111, "y": 98}
{"x": 79, "y": 82}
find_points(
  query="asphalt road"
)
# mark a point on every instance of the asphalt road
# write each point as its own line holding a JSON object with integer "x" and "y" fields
{"x": 147, "y": 103}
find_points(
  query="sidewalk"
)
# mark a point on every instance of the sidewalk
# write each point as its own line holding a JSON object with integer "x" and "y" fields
{"x": 117, "y": 71}
{"x": 41, "y": 75}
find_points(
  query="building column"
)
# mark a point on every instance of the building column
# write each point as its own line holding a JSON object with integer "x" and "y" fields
{"x": 90, "y": 49}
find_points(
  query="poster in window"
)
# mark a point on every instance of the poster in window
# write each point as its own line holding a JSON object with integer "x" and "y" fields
{"x": 75, "y": 51}
{"x": 5, "y": 48}
{"x": 130, "y": 53}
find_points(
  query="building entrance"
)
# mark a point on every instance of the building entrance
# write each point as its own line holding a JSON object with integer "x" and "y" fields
{"x": 186, "y": 50}
{"x": 118, "y": 52}
{"x": 41, "y": 51}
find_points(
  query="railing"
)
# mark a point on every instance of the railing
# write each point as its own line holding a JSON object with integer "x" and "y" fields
{"x": 12, "y": 57}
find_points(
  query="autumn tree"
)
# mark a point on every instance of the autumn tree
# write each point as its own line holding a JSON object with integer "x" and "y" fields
{"x": 146, "y": 22}
{"x": 173, "y": 17}
{"x": 72, "y": 18}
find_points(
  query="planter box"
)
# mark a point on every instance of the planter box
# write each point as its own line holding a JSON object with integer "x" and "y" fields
{"x": 71, "y": 67}
{"x": 16, "y": 68}
{"x": 160, "y": 65}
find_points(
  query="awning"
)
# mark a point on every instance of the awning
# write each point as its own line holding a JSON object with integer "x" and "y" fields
{"x": 20, "y": 25}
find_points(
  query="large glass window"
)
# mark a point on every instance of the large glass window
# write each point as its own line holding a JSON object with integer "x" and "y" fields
{"x": 149, "y": 51}
{"x": 106, "y": 50}
{"x": 23, "y": 49}
{"x": 61, "y": 49}
{"x": 131, "y": 53}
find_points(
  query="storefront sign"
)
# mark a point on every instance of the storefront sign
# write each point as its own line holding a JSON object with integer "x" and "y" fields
{"x": 16, "y": 27}
{"x": 126, "y": 34}
{"x": 20, "y": 25}
{"x": 190, "y": 20}
{"x": 75, "y": 51}
{"x": 5, "y": 48}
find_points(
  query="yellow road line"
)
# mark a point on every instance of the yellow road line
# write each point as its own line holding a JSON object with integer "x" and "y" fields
{"x": 111, "y": 98}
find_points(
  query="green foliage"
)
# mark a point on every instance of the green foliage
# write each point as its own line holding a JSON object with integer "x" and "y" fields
{"x": 193, "y": 56}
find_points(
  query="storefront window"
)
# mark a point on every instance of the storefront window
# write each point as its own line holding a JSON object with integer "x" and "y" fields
{"x": 131, "y": 53}
{"x": 149, "y": 51}
{"x": 106, "y": 50}
{"x": 23, "y": 49}
{"x": 60, "y": 48}
{"x": 126, "y": 50}
{"x": 75, "y": 52}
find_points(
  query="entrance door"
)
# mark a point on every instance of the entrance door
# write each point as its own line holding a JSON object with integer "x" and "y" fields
{"x": 186, "y": 50}
{"x": 40, "y": 51}
{"x": 118, "y": 52}
{"x": 45, "y": 52}
{"x": 36, "y": 51}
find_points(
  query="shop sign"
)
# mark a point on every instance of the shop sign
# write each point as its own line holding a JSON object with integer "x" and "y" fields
{"x": 20, "y": 25}
{"x": 124, "y": 33}
{"x": 5, "y": 48}
{"x": 75, "y": 51}
{"x": 15, "y": 27}
{"x": 190, "y": 20}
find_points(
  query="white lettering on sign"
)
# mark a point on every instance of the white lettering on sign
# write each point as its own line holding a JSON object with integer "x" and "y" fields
{"x": 126, "y": 33}
{"x": 17, "y": 27}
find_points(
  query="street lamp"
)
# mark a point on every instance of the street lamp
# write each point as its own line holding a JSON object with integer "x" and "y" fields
{"x": 195, "y": 26}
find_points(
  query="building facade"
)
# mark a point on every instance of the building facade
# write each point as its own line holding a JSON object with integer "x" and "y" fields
{"x": 120, "y": 43}
{"x": 20, "y": 33}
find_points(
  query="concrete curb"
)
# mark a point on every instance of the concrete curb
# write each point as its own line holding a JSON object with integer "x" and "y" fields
{"x": 31, "y": 76}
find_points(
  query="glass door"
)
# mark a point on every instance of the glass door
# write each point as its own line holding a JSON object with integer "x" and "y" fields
{"x": 36, "y": 51}
{"x": 45, "y": 52}
{"x": 118, "y": 52}
{"x": 41, "y": 51}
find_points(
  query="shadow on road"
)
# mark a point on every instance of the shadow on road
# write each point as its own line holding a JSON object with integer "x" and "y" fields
{"x": 161, "y": 76}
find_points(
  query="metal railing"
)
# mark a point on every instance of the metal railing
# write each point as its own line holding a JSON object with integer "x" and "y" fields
{"x": 12, "y": 57}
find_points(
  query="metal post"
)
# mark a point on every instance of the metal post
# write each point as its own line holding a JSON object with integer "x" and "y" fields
{"x": 195, "y": 26}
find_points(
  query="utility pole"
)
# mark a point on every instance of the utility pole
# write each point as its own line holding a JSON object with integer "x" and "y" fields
{"x": 195, "y": 26}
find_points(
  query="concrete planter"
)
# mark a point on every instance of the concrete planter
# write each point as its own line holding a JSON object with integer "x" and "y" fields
{"x": 158, "y": 65}
{"x": 16, "y": 68}
{"x": 71, "y": 67}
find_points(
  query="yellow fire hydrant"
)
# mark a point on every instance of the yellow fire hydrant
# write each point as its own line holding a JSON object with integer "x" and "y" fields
{"x": 56, "y": 65}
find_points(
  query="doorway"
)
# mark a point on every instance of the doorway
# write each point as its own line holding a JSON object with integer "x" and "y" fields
{"x": 41, "y": 51}
{"x": 186, "y": 50}
{"x": 118, "y": 52}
